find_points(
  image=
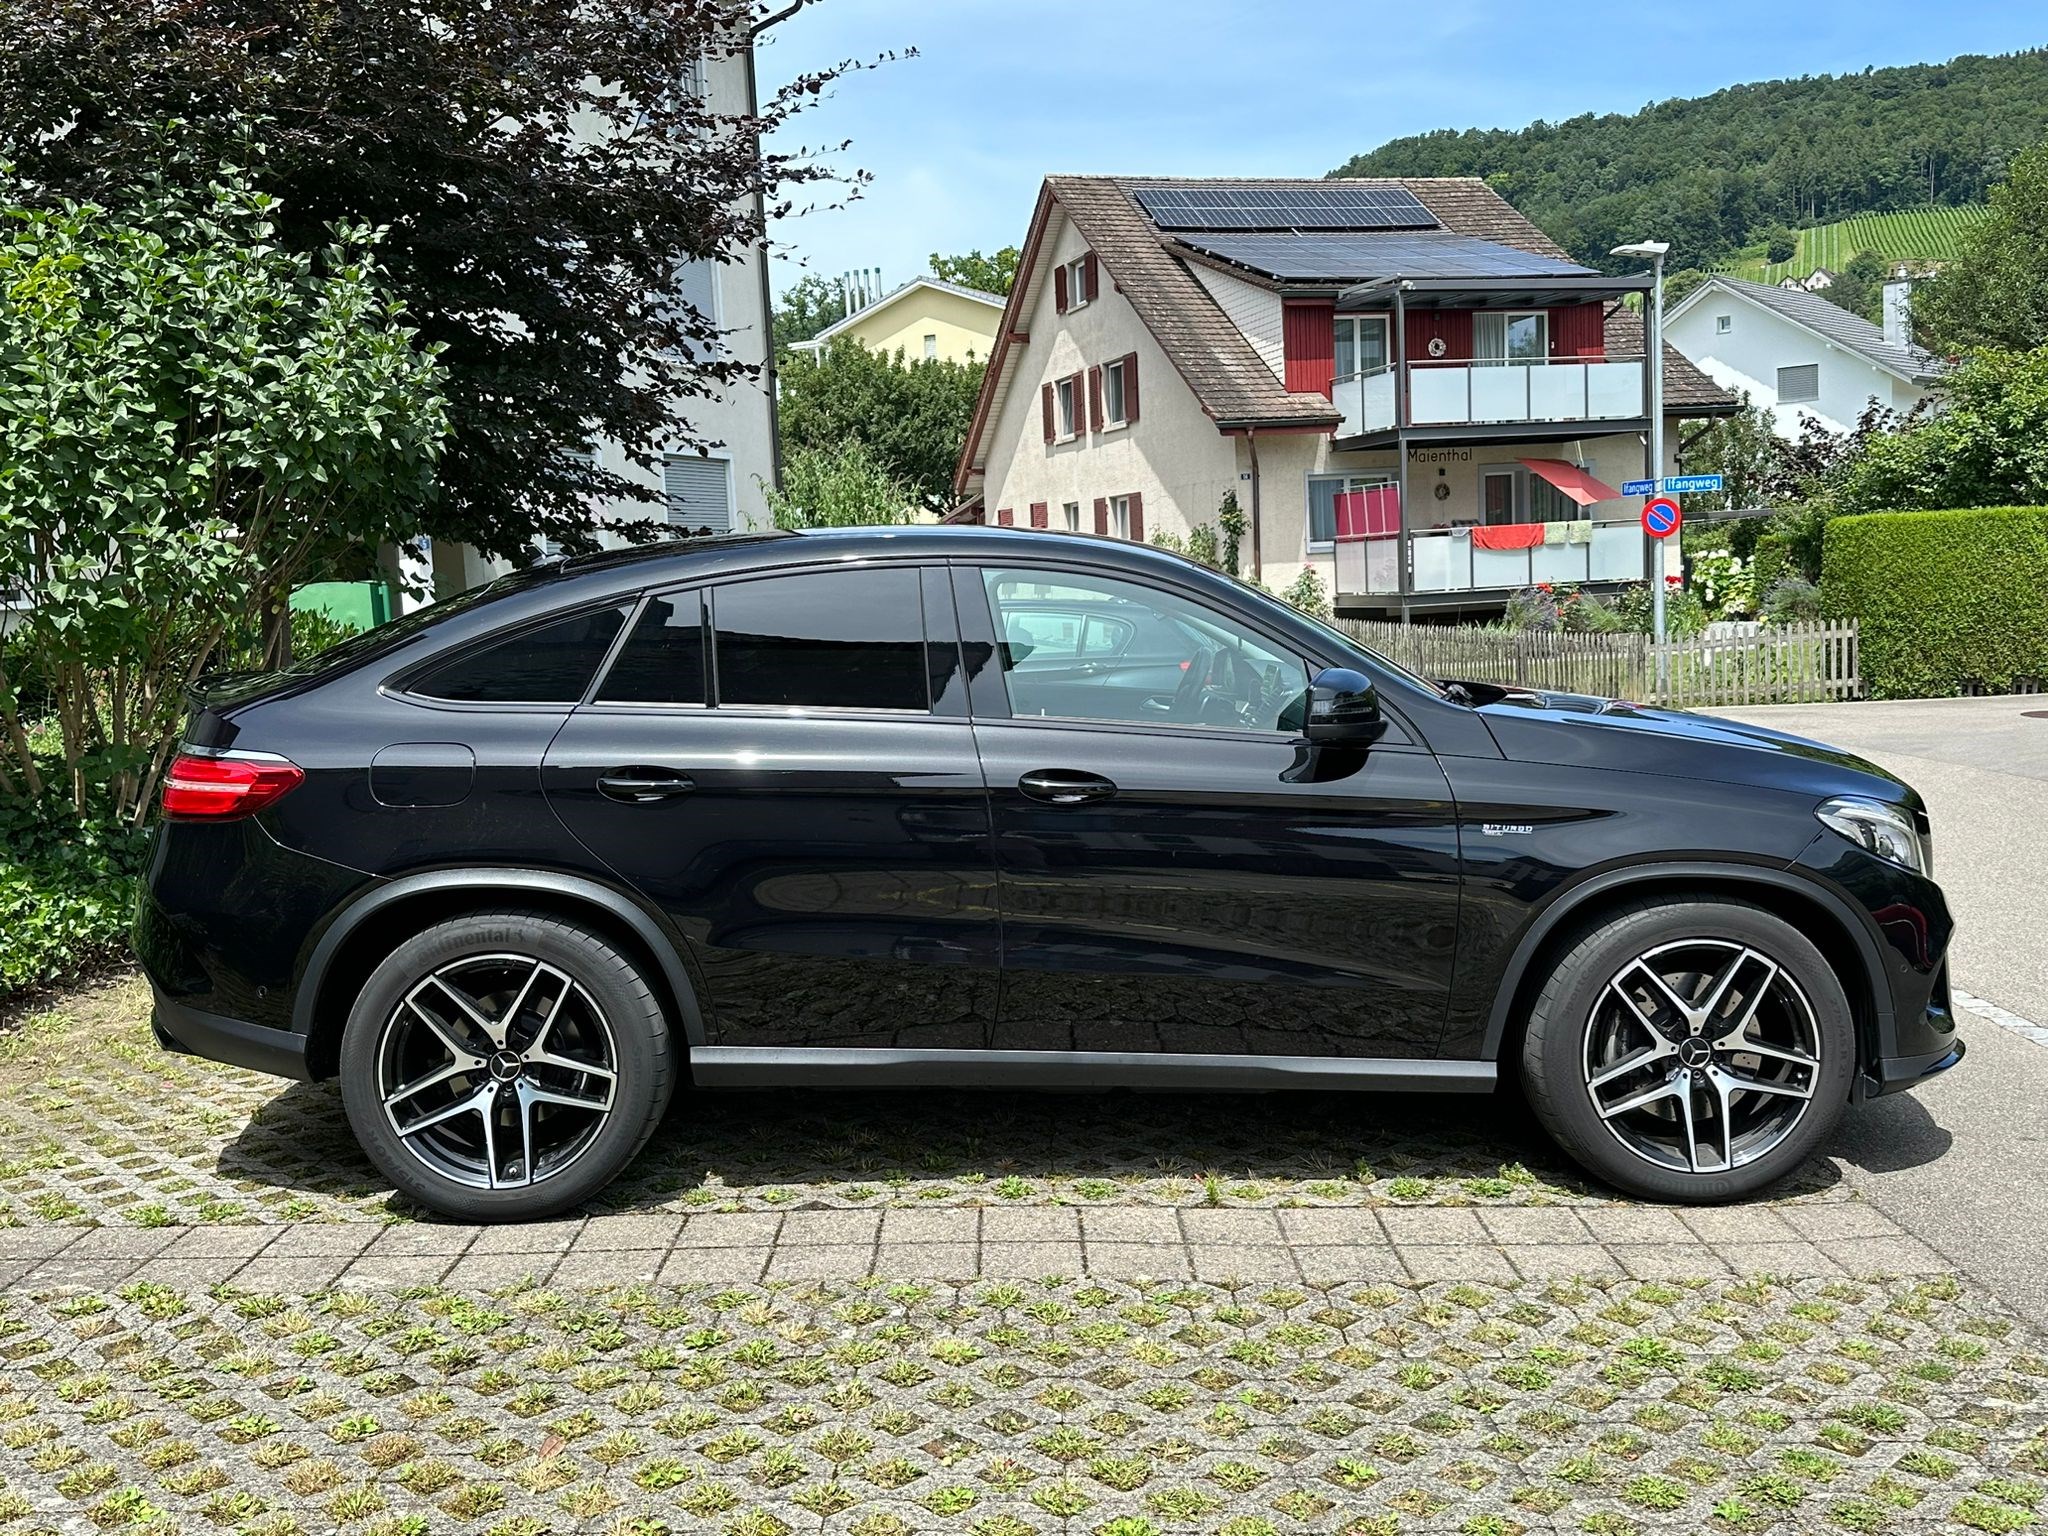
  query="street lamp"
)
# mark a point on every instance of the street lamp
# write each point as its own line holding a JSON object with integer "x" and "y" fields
{"x": 1654, "y": 361}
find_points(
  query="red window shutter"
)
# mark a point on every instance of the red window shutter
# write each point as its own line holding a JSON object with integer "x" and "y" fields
{"x": 1004, "y": 517}
{"x": 1131, "y": 387}
{"x": 1045, "y": 399}
{"x": 1059, "y": 289}
{"x": 1102, "y": 514}
{"x": 1138, "y": 517}
{"x": 1092, "y": 269}
{"x": 1038, "y": 517}
{"x": 1095, "y": 398}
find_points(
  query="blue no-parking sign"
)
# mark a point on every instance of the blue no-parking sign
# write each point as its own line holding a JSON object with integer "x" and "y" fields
{"x": 1661, "y": 517}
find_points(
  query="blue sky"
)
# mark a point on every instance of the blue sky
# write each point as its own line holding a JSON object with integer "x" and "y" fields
{"x": 1003, "y": 93}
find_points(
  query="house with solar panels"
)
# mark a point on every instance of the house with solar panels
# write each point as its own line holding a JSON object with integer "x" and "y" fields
{"x": 1407, "y": 385}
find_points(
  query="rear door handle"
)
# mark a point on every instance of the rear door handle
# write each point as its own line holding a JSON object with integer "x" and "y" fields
{"x": 641, "y": 786}
{"x": 1065, "y": 786}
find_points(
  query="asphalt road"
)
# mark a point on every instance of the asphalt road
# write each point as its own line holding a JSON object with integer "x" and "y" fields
{"x": 1962, "y": 1162}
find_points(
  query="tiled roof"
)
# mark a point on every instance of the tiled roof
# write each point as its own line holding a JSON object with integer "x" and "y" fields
{"x": 1230, "y": 379}
{"x": 1849, "y": 331}
{"x": 1685, "y": 387}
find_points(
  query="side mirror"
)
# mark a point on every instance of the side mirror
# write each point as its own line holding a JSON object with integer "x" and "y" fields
{"x": 1343, "y": 709}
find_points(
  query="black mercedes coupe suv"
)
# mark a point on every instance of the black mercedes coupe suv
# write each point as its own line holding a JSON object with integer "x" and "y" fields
{"x": 985, "y": 808}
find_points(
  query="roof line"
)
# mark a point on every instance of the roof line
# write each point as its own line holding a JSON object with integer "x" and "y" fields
{"x": 993, "y": 300}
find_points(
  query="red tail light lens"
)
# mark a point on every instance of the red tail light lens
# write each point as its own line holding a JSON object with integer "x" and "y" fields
{"x": 205, "y": 788}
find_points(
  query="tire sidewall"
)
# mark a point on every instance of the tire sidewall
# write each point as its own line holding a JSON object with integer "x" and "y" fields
{"x": 1556, "y": 1051}
{"x": 640, "y": 1040}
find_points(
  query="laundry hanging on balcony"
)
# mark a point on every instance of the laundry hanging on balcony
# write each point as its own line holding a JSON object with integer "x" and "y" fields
{"x": 1508, "y": 536}
{"x": 1577, "y": 532}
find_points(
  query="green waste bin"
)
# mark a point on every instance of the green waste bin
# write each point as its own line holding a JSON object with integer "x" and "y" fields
{"x": 360, "y": 604}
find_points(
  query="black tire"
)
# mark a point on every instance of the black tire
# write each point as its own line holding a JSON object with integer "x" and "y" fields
{"x": 631, "y": 1048}
{"x": 1576, "y": 1018}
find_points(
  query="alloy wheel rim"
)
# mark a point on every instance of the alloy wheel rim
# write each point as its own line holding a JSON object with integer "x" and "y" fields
{"x": 1702, "y": 1055}
{"x": 497, "y": 1071}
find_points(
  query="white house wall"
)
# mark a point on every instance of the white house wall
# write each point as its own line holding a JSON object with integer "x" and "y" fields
{"x": 1172, "y": 455}
{"x": 1257, "y": 312}
{"x": 1747, "y": 358}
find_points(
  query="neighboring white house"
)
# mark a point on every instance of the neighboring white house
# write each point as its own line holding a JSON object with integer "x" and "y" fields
{"x": 1407, "y": 386}
{"x": 1800, "y": 356}
{"x": 720, "y": 490}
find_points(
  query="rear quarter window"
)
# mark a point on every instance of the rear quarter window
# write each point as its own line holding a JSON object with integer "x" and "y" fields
{"x": 550, "y": 664}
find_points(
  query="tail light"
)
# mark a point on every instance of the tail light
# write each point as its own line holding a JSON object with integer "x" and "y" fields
{"x": 202, "y": 786}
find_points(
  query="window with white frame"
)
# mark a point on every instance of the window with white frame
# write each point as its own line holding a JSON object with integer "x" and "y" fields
{"x": 1723, "y": 324}
{"x": 1077, "y": 282}
{"x": 1323, "y": 491}
{"x": 931, "y": 346}
{"x": 1799, "y": 384}
{"x": 1070, "y": 513}
{"x": 1362, "y": 345}
{"x": 1120, "y": 516}
{"x": 1070, "y": 407}
{"x": 1511, "y": 336}
{"x": 1115, "y": 412}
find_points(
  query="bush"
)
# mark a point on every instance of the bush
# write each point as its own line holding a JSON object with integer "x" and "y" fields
{"x": 1941, "y": 597}
{"x": 1792, "y": 600}
{"x": 1771, "y": 563}
{"x": 67, "y": 892}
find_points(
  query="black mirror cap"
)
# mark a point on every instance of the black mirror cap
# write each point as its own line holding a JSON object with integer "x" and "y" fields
{"x": 1344, "y": 708}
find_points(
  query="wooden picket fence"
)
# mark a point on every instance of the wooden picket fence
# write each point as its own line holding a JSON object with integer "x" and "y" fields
{"x": 1773, "y": 664}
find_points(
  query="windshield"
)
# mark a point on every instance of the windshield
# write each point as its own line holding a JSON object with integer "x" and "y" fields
{"x": 1348, "y": 643}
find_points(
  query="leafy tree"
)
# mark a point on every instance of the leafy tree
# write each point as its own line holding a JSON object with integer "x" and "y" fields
{"x": 1996, "y": 293}
{"x": 1745, "y": 450}
{"x": 191, "y": 418}
{"x": 911, "y": 415}
{"x": 1678, "y": 284}
{"x": 545, "y": 169}
{"x": 839, "y": 487}
{"x": 1780, "y": 244}
{"x": 995, "y": 274}
{"x": 1859, "y": 286}
{"x": 807, "y": 306}
{"x": 1987, "y": 446}
{"x": 1712, "y": 173}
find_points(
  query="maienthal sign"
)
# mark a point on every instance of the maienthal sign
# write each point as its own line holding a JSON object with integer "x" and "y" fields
{"x": 1439, "y": 455}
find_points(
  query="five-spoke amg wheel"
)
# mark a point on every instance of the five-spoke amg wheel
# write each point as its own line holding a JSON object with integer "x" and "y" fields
{"x": 504, "y": 1066}
{"x": 1692, "y": 1050}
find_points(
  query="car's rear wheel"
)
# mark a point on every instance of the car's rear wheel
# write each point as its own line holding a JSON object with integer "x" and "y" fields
{"x": 505, "y": 1066}
{"x": 1690, "y": 1050}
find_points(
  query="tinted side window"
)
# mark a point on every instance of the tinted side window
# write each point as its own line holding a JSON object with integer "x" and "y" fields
{"x": 662, "y": 661}
{"x": 847, "y": 639}
{"x": 549, "y": 665}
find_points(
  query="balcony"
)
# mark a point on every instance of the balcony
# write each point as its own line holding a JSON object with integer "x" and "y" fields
{"x": 1446, "y": 560}
{"x": 1467, "y": 393}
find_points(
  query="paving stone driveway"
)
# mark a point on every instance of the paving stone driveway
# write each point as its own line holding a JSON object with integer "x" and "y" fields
{"x": 992, "y": 1314}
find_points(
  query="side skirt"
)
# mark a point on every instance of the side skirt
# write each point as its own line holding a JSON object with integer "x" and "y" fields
{"x": 744, "y": 1066}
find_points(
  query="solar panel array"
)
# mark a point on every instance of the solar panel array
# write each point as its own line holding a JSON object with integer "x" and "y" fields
{"x": 1208, "y": 206}
{"x": 1361, "y": 257}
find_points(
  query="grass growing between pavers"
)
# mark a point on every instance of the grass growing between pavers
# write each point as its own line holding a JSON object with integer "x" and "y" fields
{"x": 99, "y": 1126}
{"x": 996, "y": 1409}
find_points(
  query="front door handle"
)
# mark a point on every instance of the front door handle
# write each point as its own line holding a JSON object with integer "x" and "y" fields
{"x": 642, "y": 786}
{"x": 1065, "y": 786}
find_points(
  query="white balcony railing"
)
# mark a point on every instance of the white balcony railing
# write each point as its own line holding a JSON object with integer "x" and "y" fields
{"x": 1447, "y": 560}
{"x": 1487, "y": 393}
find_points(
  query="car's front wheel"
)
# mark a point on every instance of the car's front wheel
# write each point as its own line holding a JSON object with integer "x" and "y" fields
{"x": 1691, "y": 1050}
{"x": 504, "y": 1066}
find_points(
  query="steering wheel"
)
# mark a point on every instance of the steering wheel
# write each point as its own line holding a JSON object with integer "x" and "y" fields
{"x": 1227, "y": 691}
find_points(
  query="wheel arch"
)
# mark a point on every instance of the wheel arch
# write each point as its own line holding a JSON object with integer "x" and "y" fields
{"x": 367, "y": 930}
{"x": 1817, "y": 912}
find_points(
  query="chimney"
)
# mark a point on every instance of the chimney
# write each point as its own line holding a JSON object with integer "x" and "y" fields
{"x": 1898, "y": 312}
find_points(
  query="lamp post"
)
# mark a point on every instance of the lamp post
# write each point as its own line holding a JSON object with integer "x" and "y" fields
{"x": 1654, "y": 361}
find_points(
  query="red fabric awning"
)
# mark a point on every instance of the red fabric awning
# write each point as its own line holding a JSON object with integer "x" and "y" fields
{"x": 1573, "y": 481}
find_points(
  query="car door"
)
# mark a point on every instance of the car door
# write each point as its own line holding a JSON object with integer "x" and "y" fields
{"x": 783, "y": 763}
{"x": 1180, "y": 870}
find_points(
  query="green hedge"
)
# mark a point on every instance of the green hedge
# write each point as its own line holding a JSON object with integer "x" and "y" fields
{"x": 1942, "y": 596}
{"x": 1771, "y": 563}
